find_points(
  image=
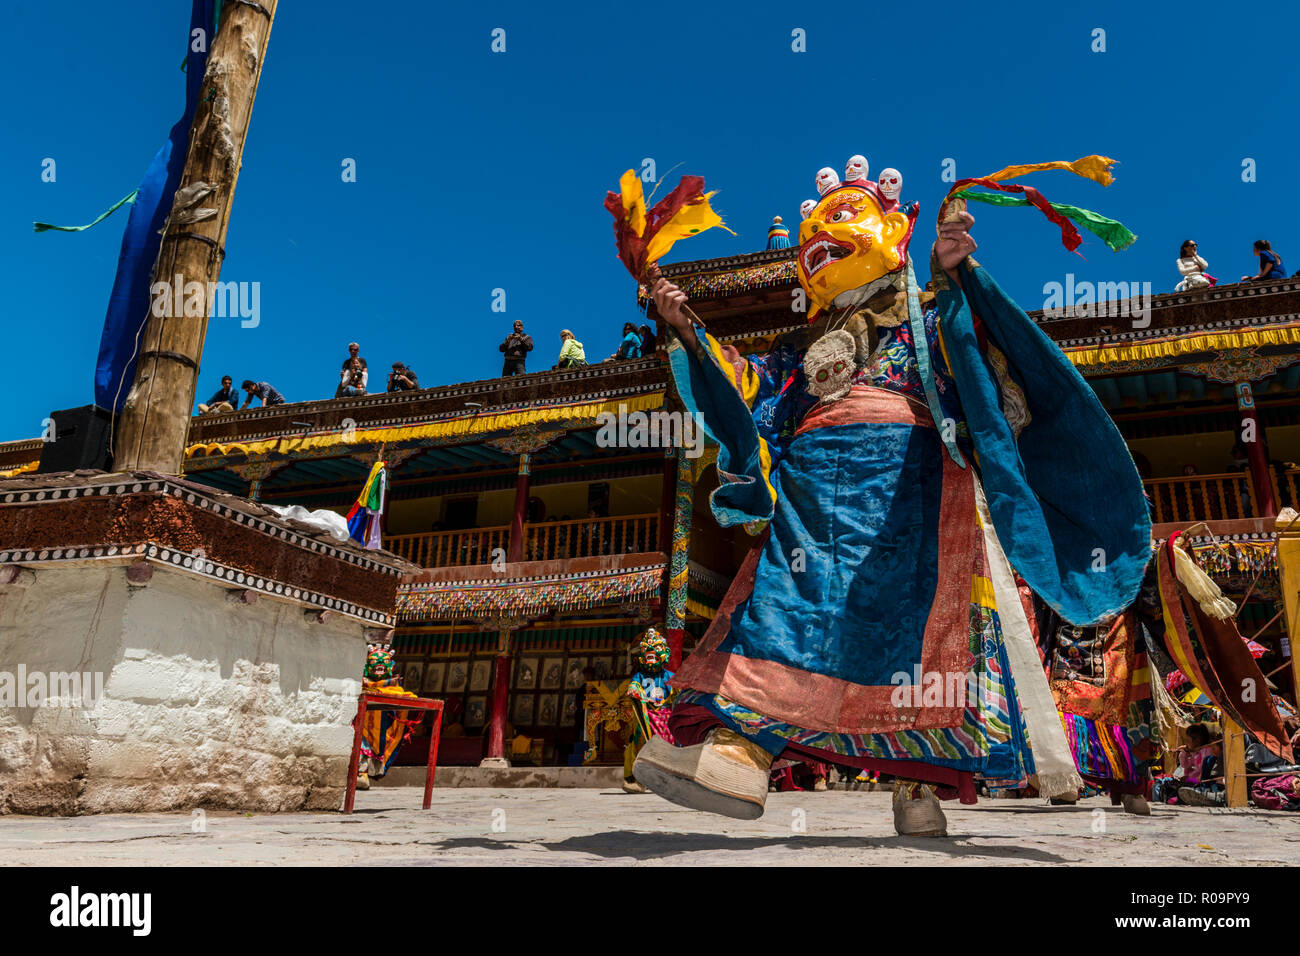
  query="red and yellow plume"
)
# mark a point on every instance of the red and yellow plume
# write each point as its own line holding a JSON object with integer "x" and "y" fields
{"x": 644, "y": 237}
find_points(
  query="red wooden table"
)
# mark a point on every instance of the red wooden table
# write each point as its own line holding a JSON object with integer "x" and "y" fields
{"x": 388, "y": 702}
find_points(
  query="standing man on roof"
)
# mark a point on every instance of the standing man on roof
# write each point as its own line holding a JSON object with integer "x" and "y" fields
{"x": 516, "y": 348}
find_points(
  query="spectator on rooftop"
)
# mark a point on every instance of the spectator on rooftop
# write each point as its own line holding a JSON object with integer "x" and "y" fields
{"x": 572, "y": 353}
{"x": 516, "y": 348}
{"x": 355, "y": 376}
{"x": 263, "y": 390}
{"x": 631, "y": 345}
{"x": 356, "y": 385}
{"x": 402, "y": 379}
{"x": 225, "y": 400}
{"x": 1192, "y": 267}
{"x": 1270, "y": 263}
{"x": 647, "y": 341}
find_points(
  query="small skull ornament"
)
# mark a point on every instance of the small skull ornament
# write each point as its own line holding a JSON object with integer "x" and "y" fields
{"x": 827, "y": 179}
{"x": 856, "y": 169}
{"x": 806, "y": 207}
{"x": 829, "y": 365}
{"x": 891, "y": 183}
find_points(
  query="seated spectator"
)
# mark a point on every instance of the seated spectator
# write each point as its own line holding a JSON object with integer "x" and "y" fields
{"x": 631, "y": 346}
{"x": 1201, "y": 763}
{"x": 355, "y": 386}
{"x": 1270, "y": 263}
{"x": 571, "y": 351}
{"x": 355, "y": 376}
{"x": 225, "y": 400}
{"x": 402, "y": 379}
{"x": 263, "y": 390}
{"x": 1192, "y": 267}
{"x": 647, "y": 341}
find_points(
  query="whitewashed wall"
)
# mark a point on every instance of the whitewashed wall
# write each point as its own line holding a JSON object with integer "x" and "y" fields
{"x": 206, "y": 703}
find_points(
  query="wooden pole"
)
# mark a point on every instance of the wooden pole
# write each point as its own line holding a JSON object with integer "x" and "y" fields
{"x": 1235, "y": 782}
{"x": 155, "y": 421}
{"x": 1288, "y": 569}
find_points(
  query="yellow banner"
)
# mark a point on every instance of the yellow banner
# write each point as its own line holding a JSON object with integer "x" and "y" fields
{"x": 1185, "y": 345}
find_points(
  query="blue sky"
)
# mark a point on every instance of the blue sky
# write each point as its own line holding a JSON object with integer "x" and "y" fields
{"x": 479, "y": 170}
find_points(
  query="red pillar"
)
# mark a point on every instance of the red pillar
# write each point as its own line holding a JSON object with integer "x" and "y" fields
{"x": 521, "y": 507}
{"x": 667, "y": 505}
{"x": 1252, "y": 437}
{"x": 496, "y": 742}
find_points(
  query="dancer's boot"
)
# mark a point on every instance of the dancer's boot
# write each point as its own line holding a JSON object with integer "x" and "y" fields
{"x": 727, "y": 774}
{"x": 917, "y": 812}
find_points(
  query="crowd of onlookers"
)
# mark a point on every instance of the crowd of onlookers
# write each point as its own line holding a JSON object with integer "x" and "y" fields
{"x": 637, "y": 342}
{"x": 354, "y": 375}
{"x": 1193, "y": 267}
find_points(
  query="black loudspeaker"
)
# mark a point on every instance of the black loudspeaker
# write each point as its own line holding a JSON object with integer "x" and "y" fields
{"x": 80, "y": 440}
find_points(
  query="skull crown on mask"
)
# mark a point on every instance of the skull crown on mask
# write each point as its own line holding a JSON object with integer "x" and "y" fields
{"x": 854, "y": 234}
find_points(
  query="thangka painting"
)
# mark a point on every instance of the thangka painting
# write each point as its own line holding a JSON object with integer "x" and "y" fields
{"x": 552, "y": 670}
{"x": 457, "y": 674}
{"x": 573, "y": 673}
{"x": 548, "y": 706}
{"x": 526, "y": 675}
{"x": 475, "y": 712}
{"x": 433, "y": 675}
{"x": 522, "y": 712}
{"x": 412, "y": 675}
{"x": 480, "y": 676}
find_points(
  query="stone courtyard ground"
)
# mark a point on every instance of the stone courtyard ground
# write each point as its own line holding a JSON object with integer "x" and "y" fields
{"x": 549, "y": 827}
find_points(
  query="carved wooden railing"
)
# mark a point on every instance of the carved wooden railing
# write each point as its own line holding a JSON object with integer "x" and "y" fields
{"x": 590, "y": 537}
{"x": 543, "y": 541}
{"x": 450, "y": 549}
{"x": 1286, "y": 488}
{"x": 1203, "y": 497}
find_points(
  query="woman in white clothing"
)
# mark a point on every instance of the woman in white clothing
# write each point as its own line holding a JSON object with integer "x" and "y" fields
{"x": 1192, "y": 268}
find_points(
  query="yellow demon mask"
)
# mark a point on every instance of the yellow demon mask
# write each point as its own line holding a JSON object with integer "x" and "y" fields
{"x": 853, "y": 235}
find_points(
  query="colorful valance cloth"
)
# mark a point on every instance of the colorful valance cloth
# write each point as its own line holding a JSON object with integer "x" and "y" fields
{"x": 535, "y": 596}
{"x": 710, "y": 284}
{"x": 1239, "y": 557}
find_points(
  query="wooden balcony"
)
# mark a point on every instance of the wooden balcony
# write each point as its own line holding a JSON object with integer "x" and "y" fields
{"x": 450, "y": 549}
{"x": 543, "y": 541}
{"x": 1222, "y": 497}
{"x": 1285, "y": 491}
